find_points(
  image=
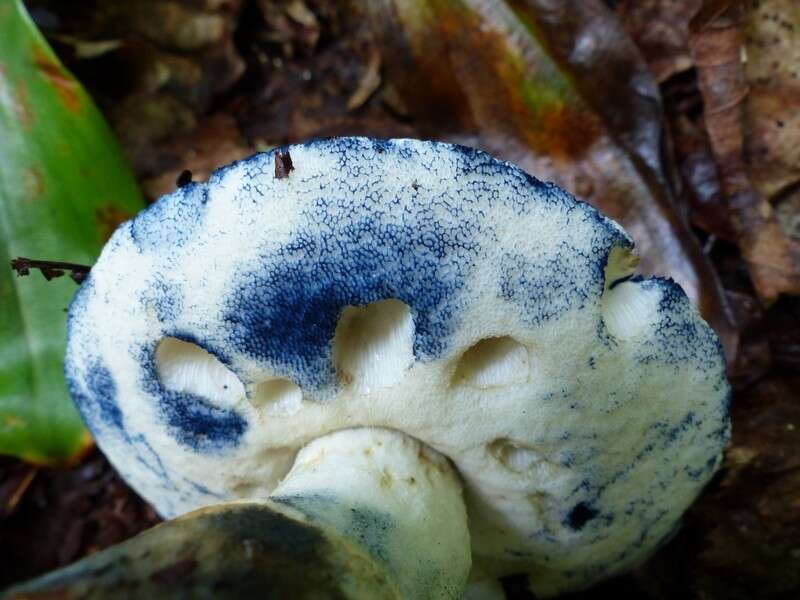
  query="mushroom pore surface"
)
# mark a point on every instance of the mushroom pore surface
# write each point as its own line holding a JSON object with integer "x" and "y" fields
{"x": 415, "y": 286}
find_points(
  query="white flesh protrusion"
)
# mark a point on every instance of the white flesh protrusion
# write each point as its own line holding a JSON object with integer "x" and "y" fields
{"x": 629, "y": 310}
{"x": 187, "y": 368}
{"x": 278, "y": 396}
{"x": 493, "y": 362}
{"x": 374, "y": 345}
{"x": 394, "y": 496}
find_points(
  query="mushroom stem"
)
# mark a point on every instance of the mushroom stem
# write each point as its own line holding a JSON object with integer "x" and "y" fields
{"x": 364, "y": 513}
{"x": 388, "y": 493}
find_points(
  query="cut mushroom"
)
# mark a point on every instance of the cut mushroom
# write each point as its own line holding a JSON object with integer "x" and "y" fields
{"x": 493, "y": 318}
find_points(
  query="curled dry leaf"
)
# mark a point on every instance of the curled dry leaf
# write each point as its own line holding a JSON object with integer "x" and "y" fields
{"x": 308, "y": 96}
{"x": 773, "y": 259}
{"x": 290, "y": 23}
{"x": 370, "y": 81}
{"x": 560, "y": 89}
{"x": 709, "y": 211}
{"x": 180, "y": 26}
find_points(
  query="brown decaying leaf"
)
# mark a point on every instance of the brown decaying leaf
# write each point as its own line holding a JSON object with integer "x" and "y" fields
{"x": 561, "y": 90}
{"x": 291, "y": 24}
{"x": 660, "y": 29}
{"x": 772, "y": 112}
{"x": 773, "y": 259}
{"x": 307, "y": 96}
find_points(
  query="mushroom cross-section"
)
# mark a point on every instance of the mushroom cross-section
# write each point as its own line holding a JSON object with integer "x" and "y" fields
{"x": 412, "y": 286}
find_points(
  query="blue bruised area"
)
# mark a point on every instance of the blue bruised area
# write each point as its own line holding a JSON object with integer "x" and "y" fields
{"x": 171, "y": 221}
{"x": 96, "y": 399}
{"x": 192, "y": 420}
{"x": 357, "y": 247}
{"x": 285, "y": 312}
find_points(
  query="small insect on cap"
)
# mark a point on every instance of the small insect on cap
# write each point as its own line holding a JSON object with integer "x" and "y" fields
{"x": 415, "y": 286}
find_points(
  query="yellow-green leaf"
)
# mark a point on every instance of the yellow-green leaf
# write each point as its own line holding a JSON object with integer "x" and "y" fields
{"x": 64, "y": 185}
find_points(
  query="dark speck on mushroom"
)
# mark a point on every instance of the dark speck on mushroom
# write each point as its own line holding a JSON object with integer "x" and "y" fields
{"x": 581, "y": 513}
{"x": 184, "y": 179}
{"x": 283, "y": 164}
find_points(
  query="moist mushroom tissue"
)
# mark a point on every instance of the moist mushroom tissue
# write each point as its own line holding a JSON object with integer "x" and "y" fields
{"x": 413, "y": 286}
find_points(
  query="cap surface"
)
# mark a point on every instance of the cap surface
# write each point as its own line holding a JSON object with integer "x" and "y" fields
{"x": 418, "y": 286}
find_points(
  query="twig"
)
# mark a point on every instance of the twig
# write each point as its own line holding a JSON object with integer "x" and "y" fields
{"x": 50, "y": 269}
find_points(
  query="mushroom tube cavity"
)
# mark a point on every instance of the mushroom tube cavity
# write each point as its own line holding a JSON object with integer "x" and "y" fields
{"x": 416, "y": 287}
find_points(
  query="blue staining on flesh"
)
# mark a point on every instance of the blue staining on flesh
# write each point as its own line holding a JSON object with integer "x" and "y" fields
{"x": 199, "y": 425}
{"x": 675, "y": 433}
{"x": 191, "y": 419}
{"x": 97, "y": 398}
{"x": 148, "y": 457}
{"x": 547, "y": 288}
{"x": 702, "y": 472}
{"x": 164, "y": 297}
{"x": 285, "y": 311}
{"x": 680, "y": 338}
{"x": 201, "y": 489}
{"x": 371, "y": 528}
{"x": 359, "y": 246}
{"x": 172, "y": 220}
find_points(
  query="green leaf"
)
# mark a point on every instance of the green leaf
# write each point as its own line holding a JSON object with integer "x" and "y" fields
{"x": 64, "y": 185}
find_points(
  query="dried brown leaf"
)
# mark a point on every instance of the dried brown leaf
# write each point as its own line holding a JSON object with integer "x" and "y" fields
{"x": 772, "y": 113}
{"x": 709, "y": 211}
{"x": 773, "y": 259}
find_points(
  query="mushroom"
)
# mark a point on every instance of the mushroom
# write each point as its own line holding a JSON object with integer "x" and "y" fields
{"x": 340, "y": 525}
{"x": 315, "y": 319}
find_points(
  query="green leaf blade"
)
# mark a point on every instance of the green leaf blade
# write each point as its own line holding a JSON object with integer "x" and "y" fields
{"x": 64, "y": 185}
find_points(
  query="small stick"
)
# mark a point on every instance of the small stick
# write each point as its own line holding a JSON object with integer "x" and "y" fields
{"x": 50, "y": 269}
{"x": 283, "y": 164}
